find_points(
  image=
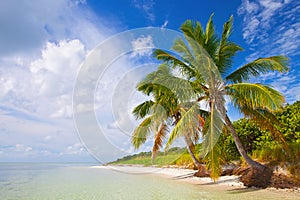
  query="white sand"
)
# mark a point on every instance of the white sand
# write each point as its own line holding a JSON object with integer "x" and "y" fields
{"x": 186, "y": 175}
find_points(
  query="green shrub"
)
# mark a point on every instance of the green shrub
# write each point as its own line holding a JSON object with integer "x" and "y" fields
{"x": 279, "y": 154}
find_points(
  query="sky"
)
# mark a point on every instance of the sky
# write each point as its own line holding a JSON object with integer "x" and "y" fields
{"x": 47, "y": 45}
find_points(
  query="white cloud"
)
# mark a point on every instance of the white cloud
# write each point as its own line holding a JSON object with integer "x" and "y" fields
{"x": 252, "y": 26}
{"x": 273, "y": 28}
{"x": 47, "y": 81}
{"x": 38, "y": 99}
{"x": 7, "y": 85}
{"x": 142, "y": 46}
{"x": 75, "y": 149}
{"x": 22, "y": 148}
{"x": 56, "y": 57}
{"x": 269, "y": 9}
{"x": 56, "y": 70}
{"x": 25, "y": 139}
{"x": 248, "y": 7}
{"x": 165, "y": 24}
{"x": 147, "y": 7}
{"x": 77, "y": 2}
{"x": 262, "y": 15}
{"x": 43, "y": 44}
{"x": 25, "y": 25}
{"x": 48, "y": 137}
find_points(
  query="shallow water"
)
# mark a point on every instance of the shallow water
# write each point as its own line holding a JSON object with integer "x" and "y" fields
{"x": 77, "y": 181}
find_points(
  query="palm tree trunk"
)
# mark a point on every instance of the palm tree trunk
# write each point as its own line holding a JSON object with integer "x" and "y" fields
{"x": 189, "y": 146}
{"x": 240, "y": 147}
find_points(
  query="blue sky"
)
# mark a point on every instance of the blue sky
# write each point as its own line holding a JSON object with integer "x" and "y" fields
{"x": 44, "y": 43}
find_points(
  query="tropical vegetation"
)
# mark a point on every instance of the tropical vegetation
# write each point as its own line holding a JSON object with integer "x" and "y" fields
{"x": 259, "y": 144}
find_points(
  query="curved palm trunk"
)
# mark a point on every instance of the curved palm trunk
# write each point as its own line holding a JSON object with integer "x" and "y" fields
{"x": 240, "y": 147}
{"x": 189, "y": 146}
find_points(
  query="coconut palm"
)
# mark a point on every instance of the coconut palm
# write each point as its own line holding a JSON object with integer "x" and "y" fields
{"x": 171, "y": 98}
{"x": 206, "y": 61}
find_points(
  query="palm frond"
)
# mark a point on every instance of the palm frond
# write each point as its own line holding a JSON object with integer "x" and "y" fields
{"x": 174, "y": 62}
{"x": 165, "y": 56}
{"x": 201, "y": 120}
{"x": 187, "y": 124}
{"x": 193, "y": 30}
{"x": 196, "y": 135}
{"x": 141, "y": 133}
{"x": 190, "y": 144}
{"x": 213, "y": 162}
{"x": 211, "y": 39}
{"x": 210, "y": 152}
{"x": 142, "y": 109}
{"x": 212, "y": 129}
{"x": 147, "y": 85}
{"x": 259, "y": 103}
{"x": 259, "y": 67}
{"x": 255, "y": 95}
{"x": 159, "y": 114}
{"x": 158, "y": 139}
{"x": 181, "y": 88}
{"x": 183, "y": 50}
{"x": 226, "y": 49}
{"x": 202, "y": 63}
{"x": 161, "y": 83}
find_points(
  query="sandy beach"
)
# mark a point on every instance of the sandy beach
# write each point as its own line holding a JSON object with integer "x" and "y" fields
{"x": 187, "y": 176}
{"x": 229, "y": 185}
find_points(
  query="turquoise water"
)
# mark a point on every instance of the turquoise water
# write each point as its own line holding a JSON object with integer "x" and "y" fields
{"x": 62, "y": 181}
{"x": 66, "y": 181}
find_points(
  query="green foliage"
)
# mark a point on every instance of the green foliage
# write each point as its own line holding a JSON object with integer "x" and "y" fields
{"x": 213, "y": 162}
{"x": 229, "y": 151}
{"x": 250, "y": 136}
{"x": 262, "y": 96}
{"x": 141, "y": 132}
{"x": 261, "y": 143}
{"x": 289, "y": 117}
{"x": 184, "y": 160}
{"x": 143, "y": 109}
{"x": 187, "y": 124}
{"x": 258, "y": 67}
{"x": 279, "y": 154}
{"x": 176, "y": 155}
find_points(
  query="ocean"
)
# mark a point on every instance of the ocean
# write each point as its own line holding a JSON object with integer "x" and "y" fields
{"x": 80, "y": 181}
{"x": 41, "y": 181}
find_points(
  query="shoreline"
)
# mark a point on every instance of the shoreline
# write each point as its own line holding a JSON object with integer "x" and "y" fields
{"x": 186, "y": 175}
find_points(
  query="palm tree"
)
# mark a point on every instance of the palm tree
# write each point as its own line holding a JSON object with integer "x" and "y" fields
{"x": 171, "y": 95}
{"x": 206, "y": 61}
